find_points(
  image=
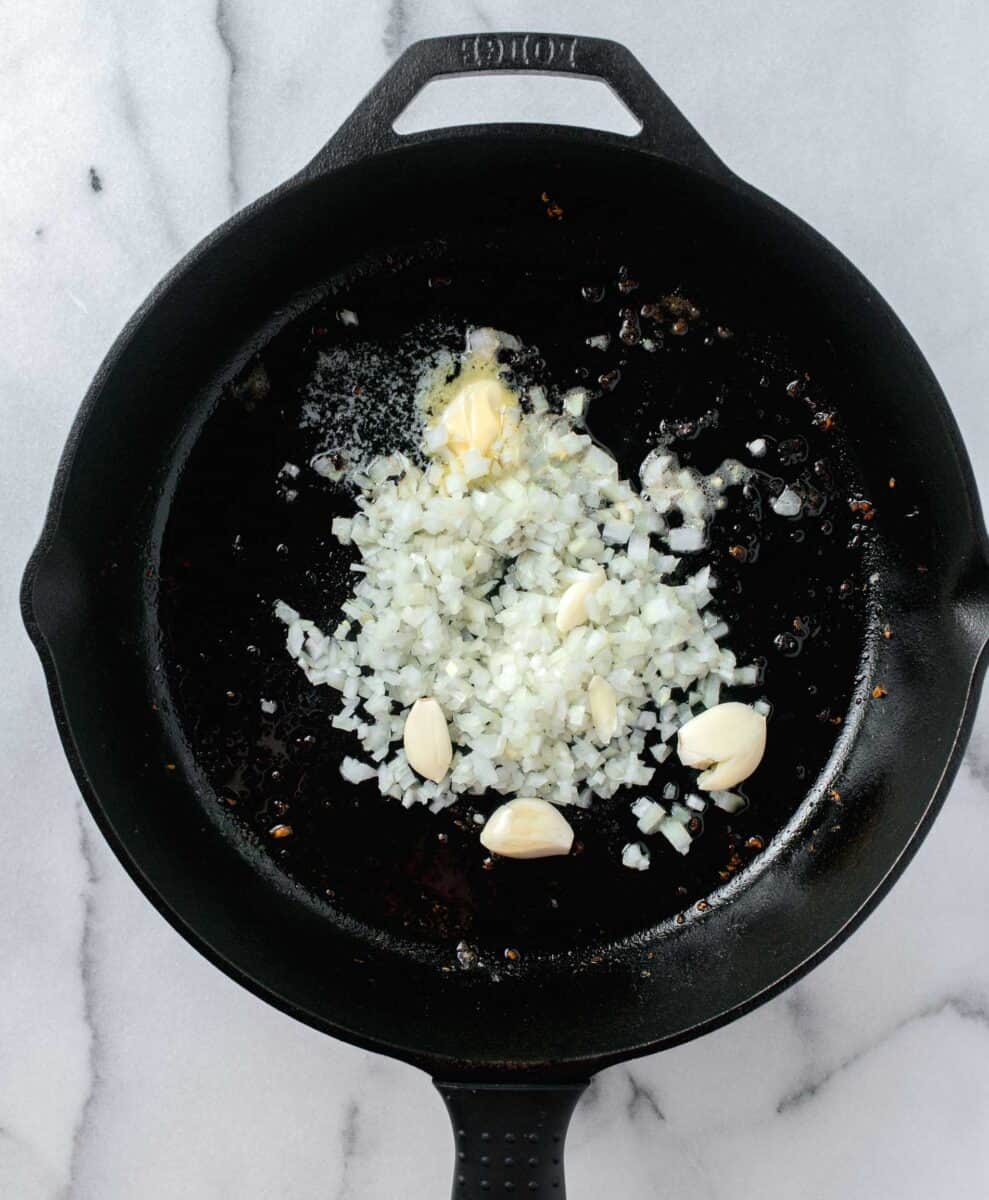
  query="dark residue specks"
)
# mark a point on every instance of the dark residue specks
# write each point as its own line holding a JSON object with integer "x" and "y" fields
{"x": 95, "y": 182}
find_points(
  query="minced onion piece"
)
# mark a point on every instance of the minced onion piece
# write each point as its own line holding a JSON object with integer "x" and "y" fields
{"x": 676, "y": 835}
{"x": 729, "y": 802}
{"x": 649, "y": 815}
{"x": 354, "y": 771}
{"x": 635, "y": 856}
{"x": 786, "y": 504}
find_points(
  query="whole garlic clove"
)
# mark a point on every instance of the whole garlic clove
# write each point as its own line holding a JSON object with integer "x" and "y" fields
{"x": 426, "y": 738}
{"x": 473, "y": 418}
{"x": 603, "y": 703}
{"x": 572, "y": 609}
{"x": 527, "y": 828}
{"x": 727, "y": 742}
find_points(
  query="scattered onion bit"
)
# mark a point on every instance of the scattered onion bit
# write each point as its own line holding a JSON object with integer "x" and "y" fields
{"x": 834, "y": 795}
{"x": 887, "y": 632}
{"x": 879, "y": 692}
{"x": 281, "y": 831}
{"x": 863, "y": 508}
{"x": 892, "y": 482}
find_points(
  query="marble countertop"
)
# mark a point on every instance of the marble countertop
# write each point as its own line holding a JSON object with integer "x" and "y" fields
{"x": 128, "y": 131}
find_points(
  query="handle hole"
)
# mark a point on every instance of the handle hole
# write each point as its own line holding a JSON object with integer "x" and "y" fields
{"x": 529, "y": 99}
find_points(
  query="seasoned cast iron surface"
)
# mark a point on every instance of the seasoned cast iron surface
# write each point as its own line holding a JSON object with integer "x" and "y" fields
{"x": 793, "y": 591}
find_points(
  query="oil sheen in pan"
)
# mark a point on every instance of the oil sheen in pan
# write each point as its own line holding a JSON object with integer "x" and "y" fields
{"x": 240, "y": 534}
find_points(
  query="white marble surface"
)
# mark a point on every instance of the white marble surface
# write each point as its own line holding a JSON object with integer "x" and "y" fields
{"x": 131, "y": 1068}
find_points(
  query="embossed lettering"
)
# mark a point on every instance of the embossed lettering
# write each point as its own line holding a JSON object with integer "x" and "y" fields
{"x": 487, "y": 51}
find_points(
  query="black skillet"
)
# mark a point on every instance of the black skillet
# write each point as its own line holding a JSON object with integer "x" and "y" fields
{"x": 170, "y": 532}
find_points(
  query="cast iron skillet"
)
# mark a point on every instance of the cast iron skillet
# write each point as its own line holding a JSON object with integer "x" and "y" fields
{"x": 170, "y": 532}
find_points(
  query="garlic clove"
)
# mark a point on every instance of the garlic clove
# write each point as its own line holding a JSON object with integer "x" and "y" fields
{"x": 572, "y": 609}
{"x": 527, "y": 828}
{"x": 603, "y": 704}
{"x": 726, "y": 742}
{"x": 427, "y": 740}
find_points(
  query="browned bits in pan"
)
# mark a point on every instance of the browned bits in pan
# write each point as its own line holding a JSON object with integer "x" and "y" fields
{"x": 169, "y": 766}
{"x": 679, "y": 327}
{"x": 837, "y": 720}
{"x": 738, "y": 553}
{"x": 680, "y": 919}
{"x": 892, "y": 482}
{"x": 887, "y": 633}
{"x": 553, "y": 210}
{"x": 824, "y": 421}
{"x": 629, "y": 332}
{"x": 512, "y": 955}
{"x": 625, "y": 284}
{"x": 755, "y": 843}
{"x": 679, "y": 306}
{"x": 862, "y": 509}
{"x": 835, "y": 795}
{"x": 879, "y": 692}
{"x": 702, "y": 906}
{"x": 281, "y": 831}
{"x": 610, "y": 380}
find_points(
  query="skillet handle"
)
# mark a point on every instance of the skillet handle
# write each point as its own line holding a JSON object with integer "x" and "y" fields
{"x": 509, "y": 1137}
{"x": 665, "y": 131}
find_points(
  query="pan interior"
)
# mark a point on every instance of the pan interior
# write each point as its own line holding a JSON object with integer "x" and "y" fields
{"x": 756, "y": 363}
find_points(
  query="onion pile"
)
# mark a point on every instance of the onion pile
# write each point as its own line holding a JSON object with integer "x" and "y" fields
{"x": 463, "y": 566}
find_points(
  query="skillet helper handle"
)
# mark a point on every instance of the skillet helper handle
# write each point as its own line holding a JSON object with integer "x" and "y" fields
{"x": 509, "y": 1137}
{"x": 665, "y": 131}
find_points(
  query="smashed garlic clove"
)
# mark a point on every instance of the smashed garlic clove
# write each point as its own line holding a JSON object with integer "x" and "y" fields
{"x": 473, "y": 418}
{"x": 527, "y": 828}
{"x": 727, "y": 742}
{"x": 572, "y": 609}
{"x": 427, "y": 740}
{"x": 604, "y": 708}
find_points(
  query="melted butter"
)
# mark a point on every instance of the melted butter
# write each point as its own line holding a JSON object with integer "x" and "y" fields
{"x": 474, "y": 418}
{"x": 477, "y": 411}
